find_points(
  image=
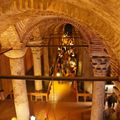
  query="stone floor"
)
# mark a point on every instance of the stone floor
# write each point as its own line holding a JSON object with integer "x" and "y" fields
{"x": 55, "y": 111}
{"x": 62, "y": 107}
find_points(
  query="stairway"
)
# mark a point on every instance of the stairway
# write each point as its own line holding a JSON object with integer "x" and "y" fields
{"x": 62, "y": 92}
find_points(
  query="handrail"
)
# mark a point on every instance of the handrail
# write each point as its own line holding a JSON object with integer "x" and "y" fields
{"x": 37, "y": 94}
{"x": 49, "y": 87}
{"x": 54, "y": 78}
{"x": 84, "y": 95}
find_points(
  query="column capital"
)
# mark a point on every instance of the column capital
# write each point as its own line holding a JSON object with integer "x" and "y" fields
{"x": 18, "y": 53}
{"x": 36, "y": 50}
{"x": 10, "y": 39}
{"x": 100, "y": 66}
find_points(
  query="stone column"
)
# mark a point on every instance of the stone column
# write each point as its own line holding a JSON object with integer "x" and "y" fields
{"x": 37, "y": 67}
{"x": 46, "y": 66}
{"x": 98, "y": 91}
{"x": 19, "y": 89}
{"x": 19, "y": 86}
{"x": 117, "y": 92}
{"x": 10, "y": 39}
{"x": 98, "y": 101}
{"x": 46, "y": 61}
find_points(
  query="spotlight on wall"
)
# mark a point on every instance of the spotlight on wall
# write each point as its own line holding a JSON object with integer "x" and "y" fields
{"x": 32, "y": 118}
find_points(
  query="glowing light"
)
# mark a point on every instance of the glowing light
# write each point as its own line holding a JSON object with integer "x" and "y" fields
{"x": 32, "y": 118}
{"x": 109, "y": 88}
{"x": 14, "y": 118}
{"x": 72, "y": 63}
{"x": 58, "y": 74}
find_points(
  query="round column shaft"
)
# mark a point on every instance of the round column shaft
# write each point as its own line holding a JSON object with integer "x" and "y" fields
{"x": 19, "y": 89}
{"x": 98, "y": 101}
{"x": 37, "y": 67}
{"x": 98, "y": 89}
{"x": 46, "y": 62}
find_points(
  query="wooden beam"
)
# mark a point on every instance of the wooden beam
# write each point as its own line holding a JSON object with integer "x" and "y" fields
{"x": 60, "y": 78}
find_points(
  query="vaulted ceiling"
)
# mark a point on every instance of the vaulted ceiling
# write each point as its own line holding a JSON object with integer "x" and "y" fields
{"x": 91, "y": 17}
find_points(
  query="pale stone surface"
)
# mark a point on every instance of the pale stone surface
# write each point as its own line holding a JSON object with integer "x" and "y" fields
{"x": 46, "y": 61}
{"x": 10, "y": 38}
{"x": 19, "y": 89}
{"x": 16, "y": 53}
{"x": 37, "y": 66}
{"x": 98, "y": 89}
{"x": 117, "y": 92}
{"x": 98, "y": 101}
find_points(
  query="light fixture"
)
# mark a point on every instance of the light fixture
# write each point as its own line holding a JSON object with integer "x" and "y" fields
{"x": 58, "y": 74}
{"x": 14, "y": 118}
{"x": 32, "y": 118}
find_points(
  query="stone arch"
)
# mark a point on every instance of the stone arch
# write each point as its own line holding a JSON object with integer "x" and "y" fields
{"x": 49, "y": 21}
{"x": 52, "y": 19}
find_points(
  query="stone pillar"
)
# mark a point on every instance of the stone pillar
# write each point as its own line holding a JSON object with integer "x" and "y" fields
{"x": 117, "y": 92}
{"x": 19, "y": 89}
{"x": 37, "y": 67}
{"x": 46, "y": 66}
{"x": 98, "y": 101}
{"x": 46, "y": 62}
{"x": 19, "y": 86}
{"x": 98, "y": 90}
{"x": 11, "y": 39}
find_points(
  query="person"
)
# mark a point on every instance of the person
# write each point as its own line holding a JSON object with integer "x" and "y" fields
{"x": 109, "y": 113}
{"x": 114, "y": 99}
{"x": 111, "y": 100}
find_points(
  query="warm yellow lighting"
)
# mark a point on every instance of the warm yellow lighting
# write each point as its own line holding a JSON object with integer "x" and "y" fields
{"x": 72, "y": 63}
{"x": 66, "y": 62}
{"x": 79, "y": 68}
{"x": 14, "y": 118}
{"x": 58, "y": 74}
